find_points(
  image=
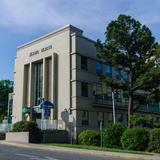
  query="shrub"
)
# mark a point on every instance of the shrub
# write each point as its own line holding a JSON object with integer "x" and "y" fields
{"x": 154, "y": 140}
{"x": 157, "y": 124}
{"x": 89, "y": 137}
{"x": 135, "y": 139}
{"x": 141, "y": 121}
{"x": 25, "y": 126}
{"x": 112, "y": 135}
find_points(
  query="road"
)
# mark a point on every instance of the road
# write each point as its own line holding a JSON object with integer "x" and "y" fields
{"x": 8, "y": 152}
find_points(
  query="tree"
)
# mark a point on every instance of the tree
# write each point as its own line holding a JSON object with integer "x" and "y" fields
{"x": 6, "y": 87}
{"x": 130, "y": 46}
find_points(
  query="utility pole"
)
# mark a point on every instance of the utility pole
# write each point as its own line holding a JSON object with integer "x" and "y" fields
{"x": 113, "y": 106}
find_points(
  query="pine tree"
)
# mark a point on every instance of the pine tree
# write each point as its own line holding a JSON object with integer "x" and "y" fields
{"x": 131, "y": 45}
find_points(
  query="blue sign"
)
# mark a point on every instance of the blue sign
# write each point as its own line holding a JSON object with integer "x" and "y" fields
{"x": 47, "y": 105}
{"x": 47, "y": 112}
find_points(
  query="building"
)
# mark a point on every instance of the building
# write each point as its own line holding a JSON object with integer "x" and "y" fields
{"x": 62, "y": 67}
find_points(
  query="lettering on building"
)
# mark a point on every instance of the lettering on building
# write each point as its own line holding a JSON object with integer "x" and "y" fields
{"x": 33, "y": 53}
{"x": 42, "y": 50}
{"x": 46, "y": 48}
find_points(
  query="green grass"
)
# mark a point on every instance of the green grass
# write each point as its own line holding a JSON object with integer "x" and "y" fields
{"x": 98, "y": 148}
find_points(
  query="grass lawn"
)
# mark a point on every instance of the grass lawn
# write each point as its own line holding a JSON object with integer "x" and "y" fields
{"x": 97, "y": 148}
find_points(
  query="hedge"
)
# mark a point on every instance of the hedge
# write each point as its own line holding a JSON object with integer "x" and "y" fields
{"x": 154, "y": 140}
{"x": 112, "y": 135}
{"x": 89, "y": 137}
{"x": 25, "y": 126}
{"x": 135, "y": 139}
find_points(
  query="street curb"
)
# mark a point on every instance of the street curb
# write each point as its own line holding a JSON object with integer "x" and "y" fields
{"x": 81, "y": 151}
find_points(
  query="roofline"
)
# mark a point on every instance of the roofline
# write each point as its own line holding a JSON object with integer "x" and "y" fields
{"x": 49, "y": 34}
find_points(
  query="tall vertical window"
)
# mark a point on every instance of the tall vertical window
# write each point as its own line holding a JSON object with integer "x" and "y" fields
{"x": 126, "y": 76}
{"x": 84, "y": 89}
{"x": 84, "y": 63}
{"x": 117, "y": 74}
{"x": 99, "y": 67}
{"x": 108, "y": 70}
{"x": 85, "y": 117}
{"x": 38, "y": 87}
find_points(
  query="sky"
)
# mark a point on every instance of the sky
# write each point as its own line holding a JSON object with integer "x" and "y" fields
{"x": 25, "y": 20}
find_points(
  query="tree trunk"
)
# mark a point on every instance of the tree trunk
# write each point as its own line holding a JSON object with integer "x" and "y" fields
{"x": 130, "y": 108}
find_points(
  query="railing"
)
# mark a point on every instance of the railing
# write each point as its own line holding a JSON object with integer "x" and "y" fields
{"x": 123, "y": 103}
{"x": 45, "y": 124}
{"x": 107, "y": 100}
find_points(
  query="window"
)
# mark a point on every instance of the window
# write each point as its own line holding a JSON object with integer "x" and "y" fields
{"x": 119, "y": 117}
{"x": 84, "y": 89}
{"x": 108, "y": 70}
{"x": 117, "y": 74}
{"x": 84, "y": 64}
{"x": 38, "y": 81}
{"x": 85, "y": 117}
{"x": 110, "y": 118}
{"x": 126, "y": 76}
{"x": 100, "y": 116}
{"x": 99, "y": 67}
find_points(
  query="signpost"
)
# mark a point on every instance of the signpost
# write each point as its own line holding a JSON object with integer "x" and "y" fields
{"x": 70, "y": 118}
{"x": 71, "y": 122}
{"x": 101, "y": 131}
{"x": 46, "y": 107}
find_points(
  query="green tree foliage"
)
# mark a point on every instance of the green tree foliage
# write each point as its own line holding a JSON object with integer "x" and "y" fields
{"x": 130, "y": 46}
{"x": 1, "y": 117}
{"x": 157, "y": 124}
{"x": 154, "y": 140}
{"x": 25, "y": 126}
{"x": 141, "y": 121}
{"x": 112, "y": 135}
{"x": 135, "y": 139}
{"x": 89, "y": 137}
{"x": 6, "y": 87}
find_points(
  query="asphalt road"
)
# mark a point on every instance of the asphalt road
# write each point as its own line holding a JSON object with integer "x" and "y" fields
{"x": 8, "y": 152}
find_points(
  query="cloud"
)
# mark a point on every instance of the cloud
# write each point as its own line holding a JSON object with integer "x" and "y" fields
{"x": 25, "y": 16}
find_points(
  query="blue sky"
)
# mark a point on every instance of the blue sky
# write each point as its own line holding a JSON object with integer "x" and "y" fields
{"x": 24, "y": 20}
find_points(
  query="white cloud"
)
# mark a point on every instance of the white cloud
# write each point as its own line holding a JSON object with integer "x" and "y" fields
{"x": 24, "y": 16}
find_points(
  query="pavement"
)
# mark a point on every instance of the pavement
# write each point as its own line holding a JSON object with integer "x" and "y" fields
{"x": 80, "y": 152}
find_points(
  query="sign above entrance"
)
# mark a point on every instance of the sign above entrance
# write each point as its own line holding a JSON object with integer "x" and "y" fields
{"x": 46, "y": 106}
{"x": 42, "y": 50}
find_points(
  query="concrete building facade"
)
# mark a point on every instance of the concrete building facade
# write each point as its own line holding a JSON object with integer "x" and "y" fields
{"x": 62, "y": 67}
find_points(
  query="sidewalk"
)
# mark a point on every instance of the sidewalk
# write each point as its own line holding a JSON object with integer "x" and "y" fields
{"x": 84, "y": 151}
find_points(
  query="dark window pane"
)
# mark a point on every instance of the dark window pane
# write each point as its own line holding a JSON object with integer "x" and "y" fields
{"x": 117, "y": 74}
{"x": 84, "y": 89}
{"x": 108, "y": 70}
{"x": 99, "y": 67}
{"x": 85, "y": 117}
{"x": 126, "y": 76}
{"x": 119, "y": 117}
{"x": 84, "y": 65}
{"x": 38, "y": 82}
